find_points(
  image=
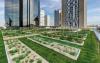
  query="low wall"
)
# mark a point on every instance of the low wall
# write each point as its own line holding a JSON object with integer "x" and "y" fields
{"x": 97, "y": 34}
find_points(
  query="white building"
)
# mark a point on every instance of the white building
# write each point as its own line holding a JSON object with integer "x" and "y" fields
{"x": 48, "y": 21}
{"x": 42, "y": 17}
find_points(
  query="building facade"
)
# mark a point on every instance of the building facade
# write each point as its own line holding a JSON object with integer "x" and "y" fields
{"x": 42, "y": 17}
{"x": 57, "y": 18}
{"x": 46, "y": 20}
{"x": 22, "y": 12}
{"x": 74, "y": 13}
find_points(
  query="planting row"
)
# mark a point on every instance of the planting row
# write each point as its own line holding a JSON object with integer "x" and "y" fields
{"x": 16, "y": 33}
{"x": 68, "y": 51}
{"x": 77, "y": 37}
{"x": 20, "y": 53}
{"x": 89, "y": 53}
{"x": 47, "y": 53}
{"x": 19, "y": 32}
{"x": 50, "y": 40}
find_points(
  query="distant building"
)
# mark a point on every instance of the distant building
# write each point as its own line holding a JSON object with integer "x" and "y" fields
{"x": 46, "y": 20}
{"x": 60, "y": 18}
{"x": 22, "y": 12}
{"x": 42, "y": 17}
{"x": 74, "y": 13}
{"x": 57, "y": 17}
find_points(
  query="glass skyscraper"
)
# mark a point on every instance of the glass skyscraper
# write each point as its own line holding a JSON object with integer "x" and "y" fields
{"x": 57, "y": 18}
{"x": 22, "y": 12}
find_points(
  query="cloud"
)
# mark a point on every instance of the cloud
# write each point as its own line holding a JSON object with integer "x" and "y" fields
{"x": 94, "y": 10}
{"x": 94, "y": 16}
{"x": 50, "y": 5}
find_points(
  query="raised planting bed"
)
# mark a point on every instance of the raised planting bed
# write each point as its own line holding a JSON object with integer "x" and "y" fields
{"x": 66, "y": 50}
{"x": 20, "y": 53}
{"x": 77, "y": 37}
{"x": 48, "y": 39}
{"x": 3, "y": 57}
{"x": 89, "y": 53}
{"x": 11, "y": 33}
{"x": 49, "y": 54}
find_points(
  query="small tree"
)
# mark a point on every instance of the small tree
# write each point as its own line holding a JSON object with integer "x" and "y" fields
{"x": 10, "y": 22}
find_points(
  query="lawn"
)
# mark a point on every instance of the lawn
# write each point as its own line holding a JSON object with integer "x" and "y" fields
{"x": 89, "y": 54}
{"x": 3, "y": 57}
{"x": 48, "y": 54}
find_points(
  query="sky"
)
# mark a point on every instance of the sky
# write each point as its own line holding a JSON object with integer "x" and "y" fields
{"x": 2, "y": 13}
{"x": 93, "y": 10}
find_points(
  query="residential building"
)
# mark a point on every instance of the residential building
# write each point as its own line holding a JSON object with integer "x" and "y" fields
{"x": 42, "y": 17}
{"x": 74, "y": 13}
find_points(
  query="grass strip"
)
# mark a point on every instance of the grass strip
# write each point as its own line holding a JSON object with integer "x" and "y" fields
{"x": 3, "y": 57}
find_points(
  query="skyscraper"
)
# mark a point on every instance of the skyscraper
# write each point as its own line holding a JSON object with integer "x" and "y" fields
{"x": 74, "y": 13}
{"x": 46, "y": 20}
{"x": 42, "y": 17}
{"x": 22, "y": 12}
{"x": 56, "y": 18}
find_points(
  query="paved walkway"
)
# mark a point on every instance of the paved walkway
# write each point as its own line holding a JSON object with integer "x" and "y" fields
{"x": 97, "y": 34}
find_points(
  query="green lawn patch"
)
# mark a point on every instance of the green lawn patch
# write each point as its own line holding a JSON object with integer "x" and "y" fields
{"x": 48, "y": 54}
{"x": 3, "y": 57}
{"x": 90, "y": 52}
